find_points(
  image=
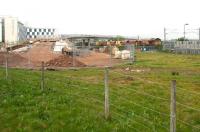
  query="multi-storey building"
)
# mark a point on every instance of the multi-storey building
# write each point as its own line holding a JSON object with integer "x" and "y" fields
{"x": 13, "y": 31}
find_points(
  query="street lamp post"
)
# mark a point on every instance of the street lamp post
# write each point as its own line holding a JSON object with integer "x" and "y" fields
{"x": 184, "y": 30}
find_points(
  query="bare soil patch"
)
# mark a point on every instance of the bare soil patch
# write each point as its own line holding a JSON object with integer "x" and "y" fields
{"x": 97, "y": 59}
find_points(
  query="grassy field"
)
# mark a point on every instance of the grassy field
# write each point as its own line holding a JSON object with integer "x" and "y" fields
{"x": 73, "y": 100}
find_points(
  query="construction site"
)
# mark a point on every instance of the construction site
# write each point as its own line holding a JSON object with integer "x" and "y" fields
{"x": 60, "y": 54}
{"x": 99, "y": 66}
{"x": 27, "y": 47}
{"x": 83, "y": 82}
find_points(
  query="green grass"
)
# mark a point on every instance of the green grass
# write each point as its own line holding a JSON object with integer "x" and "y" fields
{"x": 73, "y": 100}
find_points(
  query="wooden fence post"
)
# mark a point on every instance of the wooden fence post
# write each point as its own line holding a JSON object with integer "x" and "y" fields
{"x": 42, "y": 76}
{"x": 173, "y": 107}
{"x": 107, "y": 114}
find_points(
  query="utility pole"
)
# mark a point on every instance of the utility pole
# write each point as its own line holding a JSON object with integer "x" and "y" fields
{"x": 199, "y": 34}
{"x": 184, "y": 33}
{"x": 184, "y": 30}
{"x": 164, "y": 34}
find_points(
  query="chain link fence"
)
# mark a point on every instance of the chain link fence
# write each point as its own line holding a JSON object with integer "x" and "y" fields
{"x": 184, "y": 47}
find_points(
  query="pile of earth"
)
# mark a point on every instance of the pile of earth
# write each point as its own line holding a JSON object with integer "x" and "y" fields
{"x": 64, "y": 61}
{"x": 14, "y": 59}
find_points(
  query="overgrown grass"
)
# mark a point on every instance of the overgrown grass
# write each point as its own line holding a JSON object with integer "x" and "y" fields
{"x": 73, "y": 100}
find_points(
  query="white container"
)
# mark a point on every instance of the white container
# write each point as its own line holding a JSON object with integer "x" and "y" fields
{"x": 126, "y": 54}
{"x": 114, "y": 50}
{"x": 118, "y": 55}
{"x": 60, "y": 45}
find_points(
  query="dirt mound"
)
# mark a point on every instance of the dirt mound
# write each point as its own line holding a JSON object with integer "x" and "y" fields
{"x": 40, "y": 52}
{"x": 14, "y": 60}
{"x": 63, "y": 61}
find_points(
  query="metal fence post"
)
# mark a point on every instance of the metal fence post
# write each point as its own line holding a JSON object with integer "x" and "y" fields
{"x": 29, "y": 56}
{"x": 173, "y": 107}
{"x": 42, "y": 76}
{"x": 110, "y": 55}
{"x": 106, "y": 94}
{"x": 6, "y": 64}
{"x": 133, "y": 53}
{"x": 73, "y": 55}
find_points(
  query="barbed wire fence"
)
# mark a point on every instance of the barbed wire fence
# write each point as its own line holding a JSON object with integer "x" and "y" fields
{"x": 112, "y": 100}
{"x": 173, "y": 104}
{"x": 126, "y": 105}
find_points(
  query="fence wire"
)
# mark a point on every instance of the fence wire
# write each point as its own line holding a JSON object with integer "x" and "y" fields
{"x": 83, "y": 90}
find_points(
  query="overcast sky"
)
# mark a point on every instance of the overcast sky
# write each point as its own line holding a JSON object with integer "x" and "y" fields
{"x": 145, "y": 18}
